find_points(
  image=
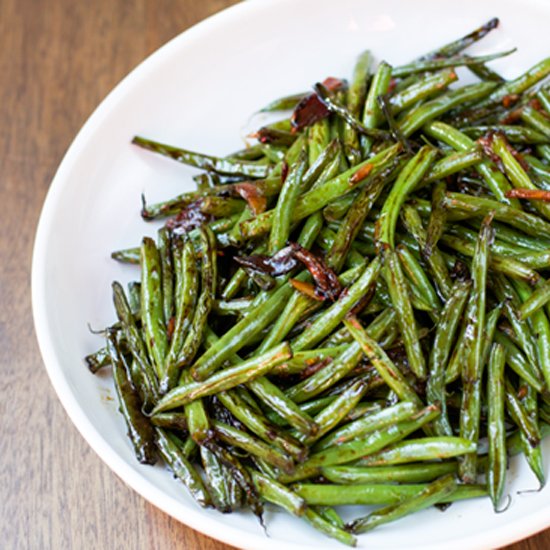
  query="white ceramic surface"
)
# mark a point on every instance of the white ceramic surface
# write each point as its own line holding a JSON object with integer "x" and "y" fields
{"x": 199, "y": 91}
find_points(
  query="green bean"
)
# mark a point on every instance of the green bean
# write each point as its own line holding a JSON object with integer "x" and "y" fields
{"x": 354, "y": 258}
{"x": 174, "y": 421}
{"x": 496, "y": 471}
{"x": 479, "y": 206}
{"x": 417, "y": 277}
{"x": 167, "y": 275}
{"x": 541, "y": 328}
{"x": 369, "y": 423}
{"x": 518, "y": 362}
{"x": 533, "y": 454}
{"x": 232, "y": 307}
{"x": 520, "y": 84}
{"x": 374, "y": 494}
{"x": 239, "y": 473}
{"x": 334, "y": 106}
{"x": 493, "y": 317}
{"x": 211, "y": 205}
{"x": 520, "y": 239}
{"x": 372, "y": 115}
{"x": 473, "y": 368}
{"x": 493, "y": 178}
{"x": 330, "y": 514}
{"x": 272, "y": 491}
{"x": 319, "y": 161}
{"x": 239, "y": 439}
{"x": 355, "y": 100}
{"x": 152, "y": 314}
{"x": 181, "y": 468}
{"x": 519, "y": 415}
{"x": 233, "y": 340}
{"x": 506, "y": 293}
{"x": 454, "y": 61}
{"x": 217, "y": 479}
{"x": 382, "y": 323}
{"x": 334, "y": 315}
{"x": 536, "y": 120}
{"x": 276, "y": 399}
{"x": 538, "y": 169}
{"x": 544, "y": 152}
{"x": 208, "y": 180}
{"x": 238, "y": 279}
{"x": 260, "y": 426}
{"x": 224, "y": 380}
{"x": 127, "y": 256}
{"x": 538, "y": 299}
{"x": 339, "y": 207}
{"x": 136, "y": 344}
{"x": 458, "y": 357}
{"x": 235, "y": 492}
{"x": 318, "y": 138}
{"x": 542, "y": 96}
{"x": 428, "y": 87}
{"x": 408, "y": 179}
{"x": 198, "y": 423}
{"x": 207, "y": 162}
{"x": 403, "y": 473}
{"x": 331, "y": 170}
{"x": 516, "y": 174}
{"x": 209, "y": 278}
{"x": 453, "y": 163}
{"x": 430, "y": 110}
{"x": 326, "y": 527}
{"x": 439, "y": 357}
{"x": 437, "y": 220}
{"x": 327, "y": 376}
{"x": 404, "y": 312}
{"x": 485, "y": 73}
{"x": 437, "y": 491}
{"x": 514, "y": 134}
{"x": 140, "y": 431}
{"x": 434, "y": 260}
{"x": 533, "y": 259}
{"x": 284, "y": 103}
{"x": 219, "y": 227}
{"x": 456, "y": 46}
{"x": 368, "y": 444}
{"x": 506, "y": 265}
{"x": 279, "y": 141}
{"x": 318, "y": 197}
{"x": 382, "y": 363}
{"x": 171, "y": 206}
{"x": 338, "y": 409}
{"x": 310, "y": 230}
{"x": 178, "y": 242}
{"x": 297, "y": 305}
{"x": 302, "y": 359}
{"x": 415, "y": 450}
{"x": 186, "y": 291}
{"x": 353, "y": 221}
{"x": 280, "y": 229}
{"x": 513, "y": 443}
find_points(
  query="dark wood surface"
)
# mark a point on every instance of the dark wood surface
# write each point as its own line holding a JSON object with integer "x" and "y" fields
{"x": 58, "y": 59}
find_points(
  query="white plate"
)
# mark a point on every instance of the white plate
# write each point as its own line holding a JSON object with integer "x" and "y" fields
{"x": 199, "y": 90}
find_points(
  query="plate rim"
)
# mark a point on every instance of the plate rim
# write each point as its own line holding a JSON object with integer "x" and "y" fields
{"x": 195, "y": 518}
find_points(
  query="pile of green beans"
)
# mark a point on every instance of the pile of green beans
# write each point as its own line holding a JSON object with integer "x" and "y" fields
{"x": 354, "y": 309}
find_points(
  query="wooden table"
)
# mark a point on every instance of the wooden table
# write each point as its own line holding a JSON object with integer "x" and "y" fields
{"x": 58, "y": 59}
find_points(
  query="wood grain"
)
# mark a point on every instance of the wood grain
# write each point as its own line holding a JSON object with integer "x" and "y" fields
{"x": 58, "y": 59}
